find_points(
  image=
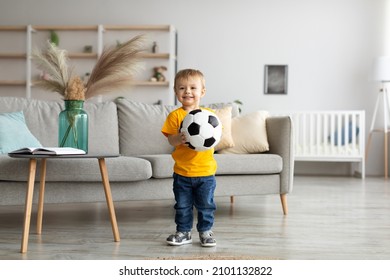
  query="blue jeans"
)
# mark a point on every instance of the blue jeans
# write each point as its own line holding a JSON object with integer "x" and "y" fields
{"x": 190, "y": 192}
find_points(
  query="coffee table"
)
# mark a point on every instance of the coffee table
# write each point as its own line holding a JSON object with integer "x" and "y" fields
{"x": 30, "y": 190}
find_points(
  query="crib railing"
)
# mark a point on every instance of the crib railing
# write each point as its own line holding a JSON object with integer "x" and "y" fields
{"x": 329, "y": 136}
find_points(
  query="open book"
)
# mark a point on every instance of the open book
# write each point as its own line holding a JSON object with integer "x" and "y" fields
{"x": 49, "y": 151}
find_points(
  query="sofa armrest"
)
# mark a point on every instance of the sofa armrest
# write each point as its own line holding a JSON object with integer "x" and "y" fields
{"x": 280, "y": 139}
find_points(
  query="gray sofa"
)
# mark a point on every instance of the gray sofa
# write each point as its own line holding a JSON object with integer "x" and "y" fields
{"x": 143, "y": 171}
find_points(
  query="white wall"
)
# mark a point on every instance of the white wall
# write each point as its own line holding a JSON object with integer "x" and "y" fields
{"x": 328, "y": 45}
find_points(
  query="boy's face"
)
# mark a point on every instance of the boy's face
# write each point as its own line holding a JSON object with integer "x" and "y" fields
{"x": 189, "y": 92}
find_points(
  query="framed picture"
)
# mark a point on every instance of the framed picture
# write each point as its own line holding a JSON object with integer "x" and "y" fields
{"x": 275, "y": 79}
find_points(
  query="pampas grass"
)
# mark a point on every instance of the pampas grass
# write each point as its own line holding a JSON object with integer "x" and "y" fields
{"x": 114, "y": 70}
{"x": 116, "y": 67}
{"x": 54, "y": 63}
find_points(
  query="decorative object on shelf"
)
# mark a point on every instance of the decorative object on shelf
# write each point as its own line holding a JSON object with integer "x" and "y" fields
{"x": 155, "y": 47}
{"x": 275, "y": 79}
{"x": 239, "y": 104}
{"x": 44, "y": 76}
{"x": 54, "y": 38}
{"x": 88, "y": 49}
{"x": 86, "y": 77}
{"x": 158, "y": 75}
{"x": 115, "y": 69}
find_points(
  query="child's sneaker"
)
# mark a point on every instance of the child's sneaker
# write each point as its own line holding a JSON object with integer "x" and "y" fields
{"x": 206, "y": 239}
{"x": 179, "y": 238}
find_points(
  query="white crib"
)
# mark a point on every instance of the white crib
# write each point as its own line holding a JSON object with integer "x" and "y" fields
{"x": 329, "y": 136}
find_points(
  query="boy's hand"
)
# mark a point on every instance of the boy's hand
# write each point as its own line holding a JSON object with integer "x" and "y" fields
{"x": 177, "y": 139}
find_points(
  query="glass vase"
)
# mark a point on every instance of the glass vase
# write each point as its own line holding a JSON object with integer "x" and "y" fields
{"x": 73, "y": 126}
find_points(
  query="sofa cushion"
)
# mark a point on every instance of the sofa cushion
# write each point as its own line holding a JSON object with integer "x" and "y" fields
{"x": 225, "y": 115}
{"x": 249, "y": 134}
{"x": 229, "y": 164}
{"x": 103, "y": 127}
{"x": 120, "y": 169}
{"x": 14, "y": 133}
{"x": 42, "y": 119}
{"x": 140, "y": 128}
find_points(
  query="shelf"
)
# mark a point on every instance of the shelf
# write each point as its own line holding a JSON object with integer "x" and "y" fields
{"x": 101, "y": 35}
{"x": 82, "y": 55}
{"x": 13, "y": 28}
{"x": 13, "y": 83}
{"x": 138, "y": 27}
{"x": 149, "y": 83}
{"x": 154, "y": 55}
{"x": 135, "y": 83}
{"x": 65, "y": 27}
{"x": 87, "y": 55}
{"x": 95, "y": 55}
{"x": 13, "y": 55}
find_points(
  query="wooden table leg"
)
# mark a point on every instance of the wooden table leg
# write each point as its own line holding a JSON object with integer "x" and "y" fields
{"x": 41, "y": 196}
{"x": 110, "y": 204}
{"x": 28, "y": 204}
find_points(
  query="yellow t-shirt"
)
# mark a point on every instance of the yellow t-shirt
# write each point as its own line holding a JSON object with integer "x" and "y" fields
{"x": 188, "y": 162}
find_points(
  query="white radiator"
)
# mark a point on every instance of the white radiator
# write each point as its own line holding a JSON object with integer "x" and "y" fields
{"x": 333, "y": 136}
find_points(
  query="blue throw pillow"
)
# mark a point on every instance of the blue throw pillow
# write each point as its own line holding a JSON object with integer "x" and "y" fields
{"x": 14, "y": 133}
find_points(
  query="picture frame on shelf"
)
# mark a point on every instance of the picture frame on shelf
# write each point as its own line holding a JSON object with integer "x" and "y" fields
{"x": 275, "y": 79}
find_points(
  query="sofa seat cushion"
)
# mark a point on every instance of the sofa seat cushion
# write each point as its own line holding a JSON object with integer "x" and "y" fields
{"x": 162, "y": 165}
{"x": 228, "y": 164}
{"x": 245, "y": 164}
{"x": 120, "y": 169}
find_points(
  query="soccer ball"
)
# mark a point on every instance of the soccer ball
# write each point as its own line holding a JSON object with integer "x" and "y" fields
{"x": 202, "y": 129}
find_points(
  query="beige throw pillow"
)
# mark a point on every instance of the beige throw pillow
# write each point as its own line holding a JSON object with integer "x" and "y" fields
{"x": 249, "y": 134}
{"x": 225, "y": 116}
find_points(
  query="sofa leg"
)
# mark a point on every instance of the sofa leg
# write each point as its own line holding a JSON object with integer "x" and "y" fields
{"x": 283, "y": 199}
{"x": 231, "y": 199}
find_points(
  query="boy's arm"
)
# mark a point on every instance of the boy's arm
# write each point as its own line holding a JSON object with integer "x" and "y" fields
{"x": 170, "y": 130}
{"x": 176, "y": 139}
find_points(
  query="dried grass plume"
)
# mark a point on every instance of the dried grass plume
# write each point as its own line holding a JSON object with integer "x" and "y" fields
{"x": 115, "y": 69}
{"x": 54, "y": 63}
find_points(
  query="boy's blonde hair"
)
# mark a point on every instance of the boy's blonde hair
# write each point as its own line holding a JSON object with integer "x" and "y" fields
{"x": 187, "y": 73}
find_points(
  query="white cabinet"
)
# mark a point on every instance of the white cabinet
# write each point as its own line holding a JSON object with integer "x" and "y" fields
{"x": 84, "y": 45}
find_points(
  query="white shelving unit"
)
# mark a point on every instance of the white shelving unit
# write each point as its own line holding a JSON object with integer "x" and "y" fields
{"x": 73, "y": 39}
{"x": 13, "y": 57}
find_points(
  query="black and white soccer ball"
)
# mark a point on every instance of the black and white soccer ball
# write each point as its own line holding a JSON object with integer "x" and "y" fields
{"x": 202, "y": 129}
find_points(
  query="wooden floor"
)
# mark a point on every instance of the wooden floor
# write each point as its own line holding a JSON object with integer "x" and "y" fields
{"x": 330, "y": 218}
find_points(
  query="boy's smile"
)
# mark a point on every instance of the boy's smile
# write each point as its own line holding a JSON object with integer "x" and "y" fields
{"x": 189, "y": 92}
